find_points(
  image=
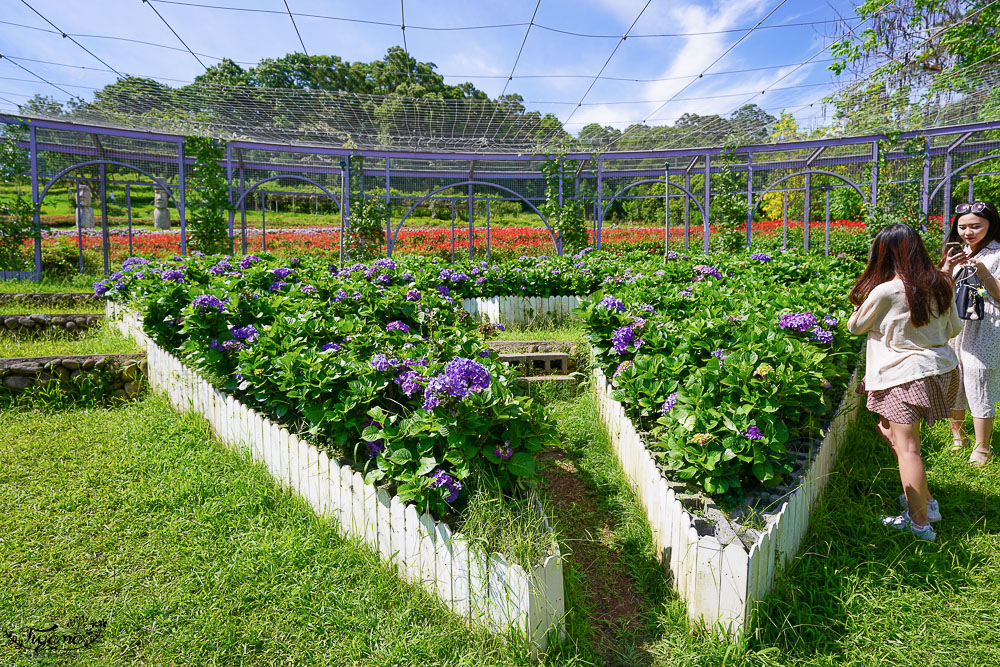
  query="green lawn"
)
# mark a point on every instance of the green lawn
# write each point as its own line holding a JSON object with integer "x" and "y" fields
{"x": 100, "y": 339}
{"x": 135, "y": 516}
{"x": 78, "y": 283}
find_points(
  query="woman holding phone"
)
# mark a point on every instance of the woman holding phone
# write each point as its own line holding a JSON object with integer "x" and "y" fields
{"x": 973, "y": 248}
{"x": 905, "y": 306}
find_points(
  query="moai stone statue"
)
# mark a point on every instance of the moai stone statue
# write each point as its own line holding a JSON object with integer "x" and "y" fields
{"x": 161, "y": 214}
{"x": 84, "y": 209}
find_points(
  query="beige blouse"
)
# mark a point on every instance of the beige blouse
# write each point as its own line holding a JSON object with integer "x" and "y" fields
{"x": 897, "y": 351}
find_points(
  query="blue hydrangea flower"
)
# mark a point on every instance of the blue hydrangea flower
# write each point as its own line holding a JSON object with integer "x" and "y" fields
{"x": 398, "y": 325}
{"x": 308, "y": 289}
{"x": 410, "y": 382}
{"x": 760, "y": 257}
{"x": 754, "y": 433}
{"x": 668, "y": 404}
{"x": 821, "y": 335}
{"x": 622, "y": 337}
{"x": 281, "y": 272}
{"x": 336, "y": 347}
{"x": 380, "y": 362}
{"x": 441, "y": 478}
{"x": 830, "y": 321}
{"x": 248, "y": 333}
{"x": 101, "y": 288}
{"x": 413, "y": 295}
{"x": 504, "y": 452}
{"x": 133, "y": 262}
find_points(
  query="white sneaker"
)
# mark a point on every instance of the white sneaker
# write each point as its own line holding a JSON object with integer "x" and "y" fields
{"x": 904, "y": 521}
{"x": 933, "y": 509}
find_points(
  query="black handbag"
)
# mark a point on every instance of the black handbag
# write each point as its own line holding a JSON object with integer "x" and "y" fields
{"x": 969, "y": 294}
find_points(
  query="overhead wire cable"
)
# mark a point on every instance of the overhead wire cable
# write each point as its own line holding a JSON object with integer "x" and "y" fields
{"x": 37, "y": 76}
{"x": 169, "y": 27}
{"x": 714, "y": 62}
{"x": 67, "y": 36}
{"x": 510, "y": 77}
{"x": 621, "y": 41}
{"x": 294, "y": 25}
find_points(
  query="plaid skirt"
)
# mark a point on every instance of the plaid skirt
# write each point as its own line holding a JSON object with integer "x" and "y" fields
{"x": 929, "y": 398}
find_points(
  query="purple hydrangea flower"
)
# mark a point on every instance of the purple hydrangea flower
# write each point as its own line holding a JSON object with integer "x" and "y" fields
{"x": 499, "y": 327}
{"x": 412, "y": 295}
{"x": 668, "y": 404}
{"x": 821, "y": 335}
{"x": 685, "y": 292}
{"x": 443, "y": 290}
{"x": 336, "y": 347}
{"x": 611, "y": 303}
{"x": 802, "y": 322}
{"x": 277, "y": 285}
{"x": 461, "y": 377}
{"x": 410, "y": 382}
{"x": 132, "y": 262}
{"x": 340, "y": 295}
{"x": 761, "y": 257}
{"x": 308, "y": 289}
{"x": 830, "y": 321}
{"x": 754, "y": 433}
{"x": 232, "y": 345}
{"x": 380, "y": 362}
{"x": 174, "y": 275}
{"x": 384, "y": 263}
{"x": 207, "y": 301}
{"x": 708, "y": 271}
{"x": 720, "y": 355}
{"x": 101, "y": 288}
{"x": 622, "y": 337}
{"x": 281, "y": 272}
{"x": 441, "y": 478}
{"x": 398, "y": 325}
{"x": 249, "y": 261}
{"x": 248, "y": 333}
{"x": 383, "y": 279}
{"x": 504, "y": 452}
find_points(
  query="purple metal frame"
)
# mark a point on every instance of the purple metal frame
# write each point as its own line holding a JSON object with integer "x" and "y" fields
{"x": 756, "y": 161}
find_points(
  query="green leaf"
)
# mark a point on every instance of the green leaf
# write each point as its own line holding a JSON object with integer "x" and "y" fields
{"x": 521, "y": 464}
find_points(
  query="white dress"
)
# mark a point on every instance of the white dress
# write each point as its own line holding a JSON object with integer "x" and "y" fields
{"x": 978, "y": 347}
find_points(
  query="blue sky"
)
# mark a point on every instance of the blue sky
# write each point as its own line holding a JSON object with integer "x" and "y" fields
{"x": 484, "y": 56}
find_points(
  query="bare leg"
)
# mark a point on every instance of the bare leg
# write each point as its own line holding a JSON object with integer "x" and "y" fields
{"x": 959, "y": 439}
{"x": 984, "y": 433}
{"x": 906, "y": 445}
{"x": 882, "y": 426}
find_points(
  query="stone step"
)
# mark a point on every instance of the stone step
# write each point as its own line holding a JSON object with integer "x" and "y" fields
{"x": 42, "y": 322}
{"x": 540, "y": 362}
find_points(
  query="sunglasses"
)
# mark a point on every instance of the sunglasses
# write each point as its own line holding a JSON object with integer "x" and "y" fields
{"x": 974, "y": 207}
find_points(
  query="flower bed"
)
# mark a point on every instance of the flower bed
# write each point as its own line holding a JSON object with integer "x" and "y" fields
{"x": 730, "y": 368}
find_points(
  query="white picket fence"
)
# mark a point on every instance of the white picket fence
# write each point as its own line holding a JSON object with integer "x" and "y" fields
{"x": 521, "y": 310}
{"x": 486, "y": 589}
{"x": 720, "y": 584}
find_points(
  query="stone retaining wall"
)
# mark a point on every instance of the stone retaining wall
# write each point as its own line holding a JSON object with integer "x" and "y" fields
{"x": 35, "y": 322}
{"x": 125, "y": 374}
{"x": 51, "y": 298}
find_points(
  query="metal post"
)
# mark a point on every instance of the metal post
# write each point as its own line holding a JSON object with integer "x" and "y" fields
{"x": 472, "y": 202}
{"x": 343, "y": 207}
{"x": 708, "y": 199}
{"x": 946, "y": 212}
{"x": 749, "y": 195}
{"x": 79, "y": 230}
{"x": 229, "y": 182}
{"x": 128, "y": 204}
{"x": 687, "y": 209}
{"x": 599, "y": 222}
{"x": 874, "y": 195}
{"x": 263, "y": 222}
{"x": 105, "y": 237}
{"x": 784, "y": 216}
{"x": 827, "y": 251}
{"x": 181, "y": 196}
{"x": 346, "y": 204}
{"x": 452, "y": 202}
{"x": 37, "y": 207}
{"x": 388, "y": 213}
{"x": 666, "y": 208}
{"x": 972, "y": 197}
{"x": 925, "y": 184}
{"x": 243, "y": 211}
{"x": 806, "y": 205}
{"x": 559, "y": 236}
{"x": 487, "y": 229}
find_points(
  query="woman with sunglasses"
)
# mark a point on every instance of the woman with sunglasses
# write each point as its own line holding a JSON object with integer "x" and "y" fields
{"x": 906, "y": 307}
{"x": 974, "y": 246}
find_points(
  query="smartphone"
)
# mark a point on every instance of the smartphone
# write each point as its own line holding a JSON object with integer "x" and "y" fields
{"x": 954, "y": 244}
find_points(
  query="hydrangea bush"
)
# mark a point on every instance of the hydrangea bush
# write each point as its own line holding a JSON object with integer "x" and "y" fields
{"x": 723, "y": 365}
{"x": 379, "y": 368}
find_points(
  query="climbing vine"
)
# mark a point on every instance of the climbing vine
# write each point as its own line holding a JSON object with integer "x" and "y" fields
{"x": 567, "y": 220}
{"x": 207, "y": 197}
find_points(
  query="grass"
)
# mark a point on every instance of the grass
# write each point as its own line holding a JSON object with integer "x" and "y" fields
{"x": 135, "y": 516}
{"x": 540, "y": 332}
{"x": 77, "y": 283}
{"x": 100, "y": 339}
{"x": 33, "y": 309}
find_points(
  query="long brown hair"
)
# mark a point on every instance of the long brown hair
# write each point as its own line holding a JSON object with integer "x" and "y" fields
{"x": 898, "y": 251}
